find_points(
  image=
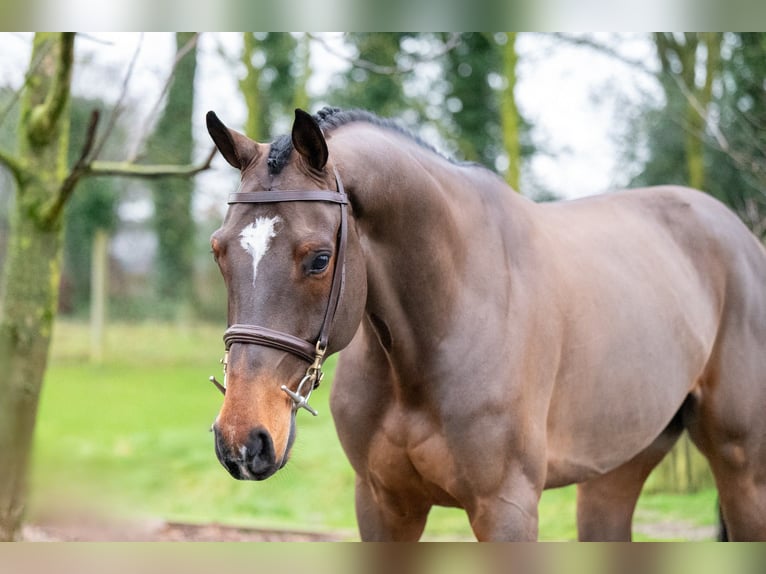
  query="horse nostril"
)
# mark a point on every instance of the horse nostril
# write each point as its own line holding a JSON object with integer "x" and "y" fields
{"x": 222, "y": 453}
{"x": 259, "y": 453}
{"x": 255, "y": 460}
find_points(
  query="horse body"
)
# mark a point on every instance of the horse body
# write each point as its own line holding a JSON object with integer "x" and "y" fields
{"x": 641, "y": 319}
{"x": 506, "y": 346}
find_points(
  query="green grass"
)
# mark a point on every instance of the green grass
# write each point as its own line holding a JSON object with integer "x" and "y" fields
{"x": 132, "y": 436}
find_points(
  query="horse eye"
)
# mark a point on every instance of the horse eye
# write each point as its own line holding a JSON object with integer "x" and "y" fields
{"x": 319, "y": 263}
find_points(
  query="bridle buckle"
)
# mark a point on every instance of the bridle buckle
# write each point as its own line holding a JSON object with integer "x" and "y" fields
{"x": 311, "y": 380}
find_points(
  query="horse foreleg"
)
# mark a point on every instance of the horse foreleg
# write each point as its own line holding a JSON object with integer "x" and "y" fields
{"x": 509, "y": 513}
{"x": 605, "y": 504}
{"x": 380, "y": 521}
{"x": 503, "y": 519}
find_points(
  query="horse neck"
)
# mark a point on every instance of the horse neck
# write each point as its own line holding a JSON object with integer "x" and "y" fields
{"x": 419, "y": 218}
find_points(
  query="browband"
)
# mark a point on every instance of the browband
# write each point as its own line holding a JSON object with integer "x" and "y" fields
{"x": 311, "y": 352}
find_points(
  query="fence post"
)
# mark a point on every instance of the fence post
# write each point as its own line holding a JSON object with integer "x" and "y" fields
{"x": 98, "y": 293}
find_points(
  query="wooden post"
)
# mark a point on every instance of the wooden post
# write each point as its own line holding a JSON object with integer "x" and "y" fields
{"x": 98, "y": 293}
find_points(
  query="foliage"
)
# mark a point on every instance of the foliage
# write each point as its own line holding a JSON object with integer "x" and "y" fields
{"x": 276, "y": 70}
{"x": 379, "y": 92}
{"x": 471, "y": 99}
{"x": 707, "y": 130}
{"x": 739, "y": 175}
{"x": 483, "y": 117}
{"x": 459, "y": 85}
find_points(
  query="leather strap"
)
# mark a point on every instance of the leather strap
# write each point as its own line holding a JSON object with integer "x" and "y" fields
{"x": 262, "y": 336}
{"x": 288, "y": 195}
{"x": 257, "y": 335}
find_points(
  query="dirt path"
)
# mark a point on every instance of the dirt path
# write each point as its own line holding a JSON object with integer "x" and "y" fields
{"x": 168, "y": 532}
{"x": 179, "y": 532}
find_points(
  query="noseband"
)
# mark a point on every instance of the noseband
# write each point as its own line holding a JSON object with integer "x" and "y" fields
{"x": 311, "y": 352}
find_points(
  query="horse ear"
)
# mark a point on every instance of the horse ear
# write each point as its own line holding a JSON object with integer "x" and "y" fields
{"x": 238, "y": 149}
{"x": 308, "y": 140}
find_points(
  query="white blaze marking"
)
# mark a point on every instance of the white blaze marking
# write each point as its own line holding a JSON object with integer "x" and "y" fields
{"x": 256, "y": 237}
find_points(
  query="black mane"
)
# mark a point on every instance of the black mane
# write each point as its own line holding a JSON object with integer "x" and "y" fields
{"x": 328, "y": 119}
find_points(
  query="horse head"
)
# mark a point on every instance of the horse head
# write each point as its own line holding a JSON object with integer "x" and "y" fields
{"x": 296, "y": 282}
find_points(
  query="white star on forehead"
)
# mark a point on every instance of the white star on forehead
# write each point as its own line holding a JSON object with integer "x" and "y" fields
{"x": 256, "y": 238}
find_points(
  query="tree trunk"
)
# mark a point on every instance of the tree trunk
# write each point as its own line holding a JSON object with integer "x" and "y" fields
{"x": 302, "y": 54}
{"x": 32, "y": 265}
{"x": 249, "y": 85}
{"x": 510, "y": 114}
{"x": 172, "y": 142}
{"x": 680, "y": 66}
{"x": 32, "y": 271}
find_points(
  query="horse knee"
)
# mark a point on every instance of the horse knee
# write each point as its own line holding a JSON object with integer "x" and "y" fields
{"x": 505, "y": 519}
{"x": 379, "y": 522}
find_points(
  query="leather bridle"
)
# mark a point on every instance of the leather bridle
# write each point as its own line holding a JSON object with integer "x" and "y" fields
{"x": 311, "y": 352}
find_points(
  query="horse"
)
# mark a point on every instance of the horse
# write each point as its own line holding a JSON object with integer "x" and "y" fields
{"x": 492, "y": 347}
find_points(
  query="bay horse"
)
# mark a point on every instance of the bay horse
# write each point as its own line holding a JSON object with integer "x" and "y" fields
{"x": 492, "y": 347}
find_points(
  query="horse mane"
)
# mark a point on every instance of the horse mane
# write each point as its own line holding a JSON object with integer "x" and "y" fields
{"x": 330, "y": 118}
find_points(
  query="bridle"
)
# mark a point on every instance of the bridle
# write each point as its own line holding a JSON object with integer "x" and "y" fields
{"x": 311, "y": 352}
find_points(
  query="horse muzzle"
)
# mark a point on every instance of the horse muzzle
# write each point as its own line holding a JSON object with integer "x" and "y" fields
{"x": 256, "y": 459}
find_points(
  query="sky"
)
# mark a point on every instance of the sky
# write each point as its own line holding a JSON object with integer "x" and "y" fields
{"x": 572, "y": 96}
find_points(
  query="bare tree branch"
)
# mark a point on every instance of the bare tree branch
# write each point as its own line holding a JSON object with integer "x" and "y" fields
{"x": 452, "y": 42}
{"x": 586, "y": 42}
{"x": 144, "y": 131}
{"x": 79, "y": 169}
{"x": 703, "y": 112}
{"x": 95, "y": 39}
{"x": 117, "y": 108}
{"x": 130, "y": 169}
{"x": 87, "y": 167}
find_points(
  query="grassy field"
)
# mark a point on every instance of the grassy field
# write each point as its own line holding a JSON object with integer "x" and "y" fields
{"x": 132, "y": 436}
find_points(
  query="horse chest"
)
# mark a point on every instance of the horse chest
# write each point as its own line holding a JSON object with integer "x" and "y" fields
{"x": 409, "y": 456}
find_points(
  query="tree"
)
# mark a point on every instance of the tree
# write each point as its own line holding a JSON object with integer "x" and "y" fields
{"x": 481, "y": 75}
{"x": 276, "y": 72}
{"x": 707, "y": 132}
{"x": 249, "y": 85}
{"x": 473, "y": 102}
{"x": 32, "y": 262}
{"x": 171, "y": 142}
{"x": 738, "y": 148}
{"x": 690, "y": 65}
{"x": 509, "y": 112}
{"x": 374, "y": 80}
{"x": 44, "y": 184}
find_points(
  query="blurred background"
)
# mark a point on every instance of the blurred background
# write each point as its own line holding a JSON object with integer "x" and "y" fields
{"x": 125, "y": 406}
